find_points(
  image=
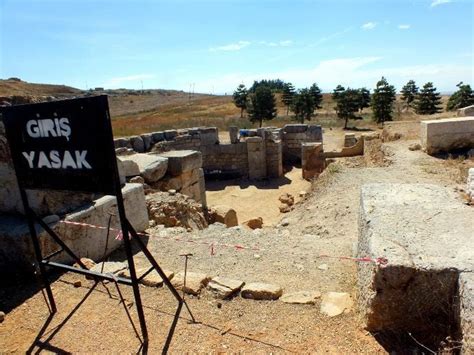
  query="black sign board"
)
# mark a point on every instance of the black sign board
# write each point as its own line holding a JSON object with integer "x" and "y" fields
{"x": 63, "y": 145}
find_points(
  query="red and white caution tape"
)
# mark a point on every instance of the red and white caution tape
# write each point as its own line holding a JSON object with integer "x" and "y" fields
{"x": 379, "y": 261}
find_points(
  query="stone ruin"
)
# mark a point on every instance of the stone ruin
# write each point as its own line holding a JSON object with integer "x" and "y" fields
{"x": 447, "y": 134}
{"x": 174, "y": 160}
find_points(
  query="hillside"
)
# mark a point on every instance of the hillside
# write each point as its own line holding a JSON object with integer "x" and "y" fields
{"x": 16, "y": 87}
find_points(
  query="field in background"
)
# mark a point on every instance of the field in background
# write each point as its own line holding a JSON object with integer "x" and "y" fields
{"x": 136, "y": 112}
{"x": 220, "y": 112}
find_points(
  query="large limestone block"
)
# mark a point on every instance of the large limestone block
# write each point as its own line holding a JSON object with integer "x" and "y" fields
{"x": 181, "y": 161}
{"x": 447, "y": 134}
{"x": 151, "y": 167}
{"x": 223, "y": 287}
{"x": 16, "y": 251}
{"x": 261, "y": 291}
{"x": 195, "y": 281}
{"x": 423, "y": 232}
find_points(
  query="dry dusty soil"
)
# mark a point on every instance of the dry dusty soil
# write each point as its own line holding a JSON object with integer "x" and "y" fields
{"x": 324, "y": 223}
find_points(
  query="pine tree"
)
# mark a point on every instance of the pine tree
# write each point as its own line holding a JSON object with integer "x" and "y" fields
{"x": 409, "y": 92}
{"x": 240, "y": 97}
{"x": 348, "y": 103}
{"x": 336, "y": 94}
{"x": 428, "y": 101}
{"x": 382, "y": 101}
{"x": 364, "y": 98}
{"x": 287, "y": 96}
{"x": 463, "y": 97}
{"x": 317, "y": 96}
{"x": 262, "y": 105}
{"x": 303, "y": 105}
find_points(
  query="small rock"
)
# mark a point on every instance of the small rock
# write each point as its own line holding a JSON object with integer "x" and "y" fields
{"x": 287, "y": 199}
{"x": 257, "y": 256}
{"x": 302, "y": 193}
{"x": 323, "y": 267}
{"x": 172, "y": 192}
{"x": 2, "y": 316}
{"x": 88, "y": 263}
{"x": 301, "y": 297}
{"x": 151, "y": 223}
{"x": 284, "y": 208}
{"x": 414, "y": 146}
{"x": 255, "y": 223}
{"x": 153, "y": 279}
{"x": 284, "y": 223}
{"x": 110, "y": 267}
{"x": 224, "y": 214}
{"x": 77, "y": 283}
{"x": 195, "y": 281}
{"x": 335, "y": 303}
{"x": 261, "y": 291}
{"x": 223, "y": 287}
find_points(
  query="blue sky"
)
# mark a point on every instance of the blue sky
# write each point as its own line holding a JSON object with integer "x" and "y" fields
{"x": 217, "y": 45}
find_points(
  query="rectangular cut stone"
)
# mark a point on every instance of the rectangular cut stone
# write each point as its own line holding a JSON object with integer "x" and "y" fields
{"x": 295, "y": 128}
{"x": 424, "y": 232}
{"x": 180, "y": 161}
{"x": 16, "y": 251}
{"x": 313, "y": 161}
{"x": 447, "y": 134}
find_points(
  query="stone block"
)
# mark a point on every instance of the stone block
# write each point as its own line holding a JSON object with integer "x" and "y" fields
{"x": 447, "y": 134}
{"x": 261, "y": 291}
{"x": 315, "y": 133}
{"x": 137, "y": 144}
{"x": 170, "y": 134}
{"x": 147, "y": 141}
{"x": 182, "y": 161}
{"x": 465, "y": 111}
{"x": 295, "y": 128}
{"x": 223, "y": 287}
{"x": 225, "y": 215}
{"x": 421, "y": 231}
{"x": 195, "y": 281}
{"x": 313, "y": 161}
{"x": 234, "y": 134}
{"x": 158, "y": 137}
{"x": 122, "y": 143}
{"x": 151, "y": 167}
{"x": 16, "y": 251}
{"x": 127, "y": 167}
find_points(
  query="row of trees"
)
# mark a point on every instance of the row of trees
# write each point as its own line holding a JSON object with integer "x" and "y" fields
{"x": 260, "y": 102}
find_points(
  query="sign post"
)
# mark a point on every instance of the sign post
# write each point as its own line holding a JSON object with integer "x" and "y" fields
{"x": 68, "y": 145}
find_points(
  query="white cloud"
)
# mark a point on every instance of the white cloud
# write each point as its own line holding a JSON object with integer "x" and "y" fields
{"x": 369, "y": 25}
{"x": 404, "y": 27}
{"x": 435, "y": 3}
{"x": 286, "y": 43}
{"x": 118, "y": 81}
{"x": 231, "y": 47}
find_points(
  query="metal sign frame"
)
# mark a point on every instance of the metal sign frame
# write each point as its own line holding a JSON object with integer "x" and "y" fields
{"x": 108, "y": 184}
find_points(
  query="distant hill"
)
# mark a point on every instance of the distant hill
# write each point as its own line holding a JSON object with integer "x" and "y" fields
{"x": 17, "y": 87}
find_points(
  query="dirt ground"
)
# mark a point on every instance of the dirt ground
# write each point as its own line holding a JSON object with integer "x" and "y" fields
{"x": 323, "y": 224}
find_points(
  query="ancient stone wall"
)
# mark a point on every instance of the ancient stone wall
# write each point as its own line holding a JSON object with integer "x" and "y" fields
{"x": 293, "y": 135}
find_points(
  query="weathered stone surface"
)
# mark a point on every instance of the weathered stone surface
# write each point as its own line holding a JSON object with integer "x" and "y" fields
{"x": 195, "y": 281}
{"x": 301, "y": 297}
{"x": 224, "y": 214}
{"x": 137, "y": 180}
{"x": 109, "y": 267}
{"x": 447, "y": 134}
{"x": 349, "y": 139}
{"x": 313, "y": 161}
{"x": 284, "y": 208}
{"x": 16, "y": 251}
{"x": 295, "y": 128}
{"x": 255, "y": 223}
{"x": 137, "y": 144}
{"x": 466, "y": 311}
{"x": 257, "y": 164}
{"x": 170, "y": 134}
{"x": 147, "y": 141}
{"x": 182, "y": 161}
{"x": 335, "y": 303}
{"x": 223, "y": 287}
{"x": 151, "y": 167}
{"x": 153, "y": 279}
{"x": 261, "y": 291}
{"x": 127, "y": 167}
{"x": 422, "y": 230}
